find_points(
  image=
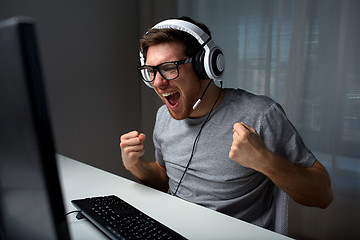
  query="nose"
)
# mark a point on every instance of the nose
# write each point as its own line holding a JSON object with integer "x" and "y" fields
{"x": 159, "y": 81}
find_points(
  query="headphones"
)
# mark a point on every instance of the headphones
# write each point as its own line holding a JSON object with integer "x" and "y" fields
{"x": 209, "y": 61}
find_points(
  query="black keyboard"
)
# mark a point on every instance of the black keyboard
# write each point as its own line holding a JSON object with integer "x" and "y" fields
{"x": 120, "y": 220}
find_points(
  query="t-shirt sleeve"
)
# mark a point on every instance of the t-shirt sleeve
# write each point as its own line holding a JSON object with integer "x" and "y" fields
{"x": 158, "y": 154}
{"x": 281, "y": 137}
{"x": 156, "y": 141}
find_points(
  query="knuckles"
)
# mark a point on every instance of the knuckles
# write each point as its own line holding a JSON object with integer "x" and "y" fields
{"x": 240, "y": 138}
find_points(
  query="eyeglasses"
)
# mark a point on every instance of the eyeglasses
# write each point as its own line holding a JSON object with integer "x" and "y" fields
{"x": 168, "y": 70}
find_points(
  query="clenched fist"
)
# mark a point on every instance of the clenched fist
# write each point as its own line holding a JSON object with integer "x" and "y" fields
{"x": 247, "y": 148}
{"x": 132, "y": 148}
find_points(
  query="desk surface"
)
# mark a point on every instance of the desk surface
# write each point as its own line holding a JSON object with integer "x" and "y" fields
{"x": 79, "y": 180}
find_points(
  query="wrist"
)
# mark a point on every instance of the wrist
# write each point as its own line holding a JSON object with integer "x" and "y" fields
{"x": 131, "y": 165}
{"x": 269, "y": 163}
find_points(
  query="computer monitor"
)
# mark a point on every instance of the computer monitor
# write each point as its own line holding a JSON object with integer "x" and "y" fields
{"x": 31, "y": 205}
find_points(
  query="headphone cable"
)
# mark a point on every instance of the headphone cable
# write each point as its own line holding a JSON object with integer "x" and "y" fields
{"x": 198, "y": 136}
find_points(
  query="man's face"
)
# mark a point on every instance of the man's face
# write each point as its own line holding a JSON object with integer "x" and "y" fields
{"x": 179, "y": 94}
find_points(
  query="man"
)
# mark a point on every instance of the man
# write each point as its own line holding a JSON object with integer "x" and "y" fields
{"x": 230, "y": 151}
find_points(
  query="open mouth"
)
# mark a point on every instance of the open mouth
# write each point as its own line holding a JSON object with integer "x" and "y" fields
{"x": 172, "y": 97}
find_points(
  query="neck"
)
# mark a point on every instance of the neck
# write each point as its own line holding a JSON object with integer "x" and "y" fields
{"x": 212, "y": 93}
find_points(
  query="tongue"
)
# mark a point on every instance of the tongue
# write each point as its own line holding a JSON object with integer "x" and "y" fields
{"x": 173, "y": 98}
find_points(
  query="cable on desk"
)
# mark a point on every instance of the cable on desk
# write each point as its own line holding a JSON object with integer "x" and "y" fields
{"x": 79, "y": 215}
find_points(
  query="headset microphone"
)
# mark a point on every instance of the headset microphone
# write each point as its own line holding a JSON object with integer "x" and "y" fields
{"x": 199, "y": 100}
{"x": 197, "y": 103}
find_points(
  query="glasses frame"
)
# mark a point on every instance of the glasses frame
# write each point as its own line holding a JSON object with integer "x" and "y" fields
{"x": 157, "y": 69}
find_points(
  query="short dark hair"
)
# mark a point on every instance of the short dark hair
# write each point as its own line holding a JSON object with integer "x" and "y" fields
{"x": 156, "y": 36}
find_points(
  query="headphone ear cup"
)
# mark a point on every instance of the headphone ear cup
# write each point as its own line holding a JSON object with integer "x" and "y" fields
{"x": 217, "y": 63}
{"x": 198, "y": 64}
{"x": 144, "y": 76}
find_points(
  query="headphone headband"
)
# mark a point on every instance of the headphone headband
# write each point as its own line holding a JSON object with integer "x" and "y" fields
{"x": 209, "y": 63}
{"x": 184, "y": 26}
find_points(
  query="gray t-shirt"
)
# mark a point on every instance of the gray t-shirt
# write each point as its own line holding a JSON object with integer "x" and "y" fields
{"x": 214, "y": 180}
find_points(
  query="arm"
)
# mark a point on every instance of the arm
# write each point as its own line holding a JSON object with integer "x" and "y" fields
{"x": 309, "y": 186}
{"x": 150, "y": 173}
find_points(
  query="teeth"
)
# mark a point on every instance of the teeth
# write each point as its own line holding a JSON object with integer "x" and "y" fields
{"x": 167, "y": 94}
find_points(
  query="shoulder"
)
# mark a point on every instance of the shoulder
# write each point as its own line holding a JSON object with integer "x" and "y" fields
{"x": 251, "y": 102}
{"x": 162, "y": 110}
{"x": 163, "y": 118}
{"x": 162, "y": 114}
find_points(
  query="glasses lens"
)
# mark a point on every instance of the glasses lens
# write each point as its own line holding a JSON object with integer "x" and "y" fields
{"x": 169, "y": 70}
{"x": 147, "y": 73}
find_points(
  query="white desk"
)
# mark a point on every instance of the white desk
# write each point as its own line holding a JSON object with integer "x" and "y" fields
{"x": 79, "y": 180}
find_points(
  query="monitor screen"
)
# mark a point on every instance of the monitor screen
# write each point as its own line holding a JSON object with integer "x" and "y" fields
{"x": 31, "y": 205}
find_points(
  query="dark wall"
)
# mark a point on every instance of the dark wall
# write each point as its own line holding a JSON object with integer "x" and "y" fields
{"x": 89, "y": 57}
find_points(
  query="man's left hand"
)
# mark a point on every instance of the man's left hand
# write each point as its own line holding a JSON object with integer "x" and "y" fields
{"x": 248, "y": 149}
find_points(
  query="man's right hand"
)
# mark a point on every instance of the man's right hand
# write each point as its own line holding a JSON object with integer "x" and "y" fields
{"x": 132, "y": 148}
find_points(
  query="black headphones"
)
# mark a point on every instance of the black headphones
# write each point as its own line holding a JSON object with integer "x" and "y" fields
{"x": 209, "y": 62}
